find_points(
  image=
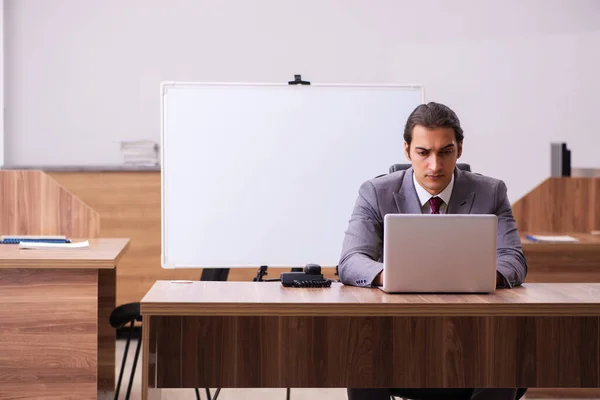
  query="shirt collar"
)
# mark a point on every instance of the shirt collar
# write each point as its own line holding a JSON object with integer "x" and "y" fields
{"x": 424, "y": 195}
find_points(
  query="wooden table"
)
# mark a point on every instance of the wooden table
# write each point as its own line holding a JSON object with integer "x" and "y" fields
{"x": 55, "y": 338}
{"x": 247, "y": 334}
{"x": 564, "y": 262}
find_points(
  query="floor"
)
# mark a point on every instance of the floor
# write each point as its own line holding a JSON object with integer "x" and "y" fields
{"x": 226, "y": 394}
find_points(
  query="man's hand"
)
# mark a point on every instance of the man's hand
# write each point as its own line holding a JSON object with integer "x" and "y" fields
{"x": 378, "y": 281}
{"x": 499, "y": 280}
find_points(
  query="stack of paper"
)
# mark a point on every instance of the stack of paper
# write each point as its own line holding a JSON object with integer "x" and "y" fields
{"x": 554, "y": 239}
{"x": 140, "y": 152}
{"x": 43, "y": 245}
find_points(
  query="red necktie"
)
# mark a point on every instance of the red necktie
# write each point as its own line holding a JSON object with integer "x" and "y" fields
{"x": 435, "y": 203}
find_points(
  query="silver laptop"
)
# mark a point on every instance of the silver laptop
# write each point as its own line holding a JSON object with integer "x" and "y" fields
{"x": 444, "y": 253}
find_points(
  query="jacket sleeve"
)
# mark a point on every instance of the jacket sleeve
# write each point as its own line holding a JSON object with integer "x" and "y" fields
{"x": 363, "y": 241}
{"x": 511, "y": 262}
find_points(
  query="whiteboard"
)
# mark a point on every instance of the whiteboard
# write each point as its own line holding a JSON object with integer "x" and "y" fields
{"x": 268, "y": 174}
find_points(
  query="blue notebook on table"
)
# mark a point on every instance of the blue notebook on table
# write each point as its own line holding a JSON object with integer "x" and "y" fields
{"x": 15, "y": 239}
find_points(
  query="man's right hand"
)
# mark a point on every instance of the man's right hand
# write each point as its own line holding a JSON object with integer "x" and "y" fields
{"x": 378, "y": 281}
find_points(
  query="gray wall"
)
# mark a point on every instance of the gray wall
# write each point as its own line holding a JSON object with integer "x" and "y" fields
{"x": 83, "y": 75}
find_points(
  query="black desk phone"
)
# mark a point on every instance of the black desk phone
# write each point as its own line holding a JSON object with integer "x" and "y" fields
{"x": 311, "y": 277}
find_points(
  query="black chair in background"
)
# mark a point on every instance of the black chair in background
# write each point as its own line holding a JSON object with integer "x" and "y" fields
{"x": 121, "y": 316}
{"x": 129, "y": 313}
{"x": 402, "y": 167}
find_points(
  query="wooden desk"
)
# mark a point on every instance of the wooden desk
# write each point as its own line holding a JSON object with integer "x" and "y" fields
{"x": 563, "y": 262}
{"x": 246, "y": 334}
{"x": 55, "y": 337}
{"x": 566, "y": 263}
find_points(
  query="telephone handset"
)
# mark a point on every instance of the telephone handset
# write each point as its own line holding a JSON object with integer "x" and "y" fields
{"x": 311, "y": 277}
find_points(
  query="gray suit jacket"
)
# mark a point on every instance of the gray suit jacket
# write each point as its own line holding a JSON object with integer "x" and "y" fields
{"x": 362, "y": 250}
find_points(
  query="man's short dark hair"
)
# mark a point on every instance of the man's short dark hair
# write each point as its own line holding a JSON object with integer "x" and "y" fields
{"x": 433, "y": 115}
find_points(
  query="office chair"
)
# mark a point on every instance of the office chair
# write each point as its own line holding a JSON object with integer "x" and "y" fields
{"x": 121, "y": 316}
{"x": 463, "y": 395}
{"x": 402, "y": 167}
{"x": 129, "y": 313}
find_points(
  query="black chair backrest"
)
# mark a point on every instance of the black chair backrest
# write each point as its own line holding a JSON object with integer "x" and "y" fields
{"x": 401, "y": 167}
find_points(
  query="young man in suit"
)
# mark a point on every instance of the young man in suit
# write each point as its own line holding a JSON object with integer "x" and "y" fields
{"x": 433, "y": 142}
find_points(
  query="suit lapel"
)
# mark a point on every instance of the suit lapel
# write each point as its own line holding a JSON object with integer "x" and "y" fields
{"x": 406, "y": 199}
{"x": 462, "y": 197}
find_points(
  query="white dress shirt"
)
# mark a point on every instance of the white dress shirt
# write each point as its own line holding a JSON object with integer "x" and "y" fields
{"x": 424, "y": 196}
